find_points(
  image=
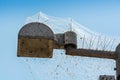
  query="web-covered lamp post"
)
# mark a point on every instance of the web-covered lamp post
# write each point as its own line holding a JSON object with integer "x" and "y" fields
{"x": 38, "y": 40}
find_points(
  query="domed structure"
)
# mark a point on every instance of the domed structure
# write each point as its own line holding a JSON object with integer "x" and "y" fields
{"x": 35, "y": 40}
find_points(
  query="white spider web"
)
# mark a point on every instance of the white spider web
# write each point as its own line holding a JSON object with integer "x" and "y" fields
{"x": 64, "y": 67}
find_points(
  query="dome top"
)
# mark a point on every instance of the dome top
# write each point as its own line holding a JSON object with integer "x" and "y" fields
{"x": 36, "y": 30}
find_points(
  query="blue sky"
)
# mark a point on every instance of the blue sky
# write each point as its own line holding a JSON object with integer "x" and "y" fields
{"x": 101, "y": 16}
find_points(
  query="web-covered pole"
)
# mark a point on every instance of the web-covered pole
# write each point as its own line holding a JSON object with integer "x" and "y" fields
{"x": 117, "y": 53}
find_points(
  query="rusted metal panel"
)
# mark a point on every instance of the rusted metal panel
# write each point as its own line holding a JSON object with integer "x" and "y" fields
{"x": 106, "y": 77}
{"x": 35, "y": 40}
{"x": 91, "y": 53}
{"x": 70, "y": 39}
{"x": 35, "y": 47}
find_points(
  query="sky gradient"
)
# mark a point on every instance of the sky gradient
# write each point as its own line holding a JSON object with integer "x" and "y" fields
{"x": 100, "y": 16}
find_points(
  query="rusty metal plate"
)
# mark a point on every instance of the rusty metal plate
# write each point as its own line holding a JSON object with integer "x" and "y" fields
{"x": 91, "y": 53}
{"x": 28, "y": 47}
